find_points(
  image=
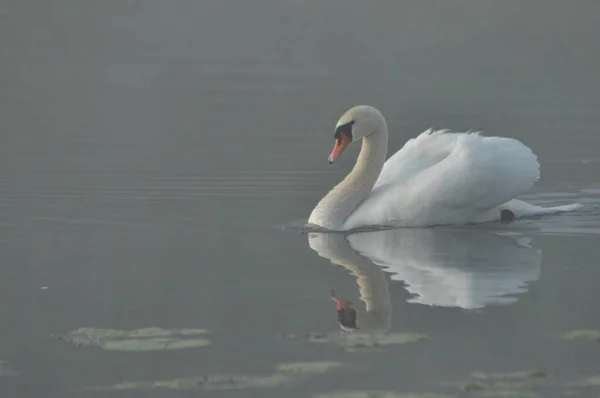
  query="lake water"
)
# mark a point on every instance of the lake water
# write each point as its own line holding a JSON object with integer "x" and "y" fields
{"x": 156, "y": 158}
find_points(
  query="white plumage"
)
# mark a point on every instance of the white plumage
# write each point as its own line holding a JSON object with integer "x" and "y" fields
{"x": 437, "y": 178}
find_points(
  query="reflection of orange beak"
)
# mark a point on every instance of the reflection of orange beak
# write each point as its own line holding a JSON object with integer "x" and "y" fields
{"x": 339, "y": 146}
{"x": 346, "y": 314}
{"x": 341, "y": 304}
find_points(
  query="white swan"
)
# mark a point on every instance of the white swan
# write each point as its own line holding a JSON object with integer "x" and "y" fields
{"x": 437, "y": 178}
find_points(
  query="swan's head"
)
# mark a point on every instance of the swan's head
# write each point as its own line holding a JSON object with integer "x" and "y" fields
{"x": 356, "y": 123}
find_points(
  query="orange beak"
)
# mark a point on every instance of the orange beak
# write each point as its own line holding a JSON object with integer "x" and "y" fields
{"x": 340, "y": 144}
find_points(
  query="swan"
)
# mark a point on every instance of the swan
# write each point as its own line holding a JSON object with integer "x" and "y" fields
{"x": 437, "y": 178}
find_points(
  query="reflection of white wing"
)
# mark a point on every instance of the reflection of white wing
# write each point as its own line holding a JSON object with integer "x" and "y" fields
{"x": 451, "y": 267}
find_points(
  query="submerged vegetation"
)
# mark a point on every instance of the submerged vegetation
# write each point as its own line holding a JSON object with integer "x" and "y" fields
{"x": 146, "y": 339}
{"x": 511, "y": 384}
{"x": 583, "y": 335}
{"x": 522, "y": 384}
{"x": 285, "y": 373}
{"x": 353, "y": 341}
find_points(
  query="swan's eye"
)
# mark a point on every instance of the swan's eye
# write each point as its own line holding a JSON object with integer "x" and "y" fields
{"x": 345, "y": 129}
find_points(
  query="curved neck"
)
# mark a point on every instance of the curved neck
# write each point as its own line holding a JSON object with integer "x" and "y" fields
{"x": 344, "y": 198}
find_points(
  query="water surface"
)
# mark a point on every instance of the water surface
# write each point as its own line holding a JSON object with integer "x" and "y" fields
{"x": 151, "y": 151}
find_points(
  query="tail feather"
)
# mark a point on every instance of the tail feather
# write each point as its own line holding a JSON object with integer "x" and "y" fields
{"x": 524, "y": 209}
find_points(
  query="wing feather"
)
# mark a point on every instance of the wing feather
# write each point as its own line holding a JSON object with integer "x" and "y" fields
{"x": 448, "y": 178}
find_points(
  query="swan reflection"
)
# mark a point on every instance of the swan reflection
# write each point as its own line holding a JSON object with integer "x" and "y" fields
{"x": 372, "y": 283}
{"x": 370, "y": 327}
{"x": 467, "y": 268}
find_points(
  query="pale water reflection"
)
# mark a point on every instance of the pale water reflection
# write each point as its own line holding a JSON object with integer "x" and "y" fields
{"x": 466, "y": 268}
{"x": 372, "y": 326}
{"x": 452, "y": 267}
{"x": 372, "y": 283}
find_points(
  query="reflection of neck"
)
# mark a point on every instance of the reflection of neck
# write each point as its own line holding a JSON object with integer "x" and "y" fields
{"x": 344, "y": 198}
{"x": 373, "y": 290}
{"x": 373, "y": 287}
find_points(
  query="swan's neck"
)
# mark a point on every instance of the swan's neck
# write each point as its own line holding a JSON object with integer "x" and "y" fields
{"x": 344, "y": 198}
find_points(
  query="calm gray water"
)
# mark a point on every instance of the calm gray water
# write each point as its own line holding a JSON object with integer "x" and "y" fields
{"x": 155, "y": 154}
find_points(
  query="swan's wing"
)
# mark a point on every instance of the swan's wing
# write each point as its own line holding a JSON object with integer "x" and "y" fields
{"x": 441, "y": 177}
{"x": 481, "y": 172}
{"x": 418, "y": 154}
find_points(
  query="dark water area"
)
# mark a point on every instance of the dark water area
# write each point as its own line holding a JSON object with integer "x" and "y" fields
{"x": 156, "y": 159}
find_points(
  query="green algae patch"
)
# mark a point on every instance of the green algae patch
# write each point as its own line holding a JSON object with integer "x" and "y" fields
{"x": 213, "y": 382}
{"x": 232, "y": 382}
{"x": 316, "y": 367}
{"x": 285, "y": 374}
{"x": 510, "y": 385}
{"x": 507, "y": 394}
{"x": 524, "y": 374}
{"x": 352, "y": 341}
{"x": 145, "y": 339}
{"x": 424, "y": 395}
{"x": 402, "y": 338}
{"x": 583, "y": 335}
{"x": 514, "y": 384}
{"x": 592, "y": 381}
{"x": 470, "y": 387}
{"x": 153, "y": 344}
{"x": 159, "y": 332}
{"x": 377, "y": 394}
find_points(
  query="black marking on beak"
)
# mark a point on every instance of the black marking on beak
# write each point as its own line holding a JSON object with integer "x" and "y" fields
{"x": 345, "y": 129}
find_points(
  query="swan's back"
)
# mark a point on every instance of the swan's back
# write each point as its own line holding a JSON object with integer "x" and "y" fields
{"x": 447, "y": 178}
